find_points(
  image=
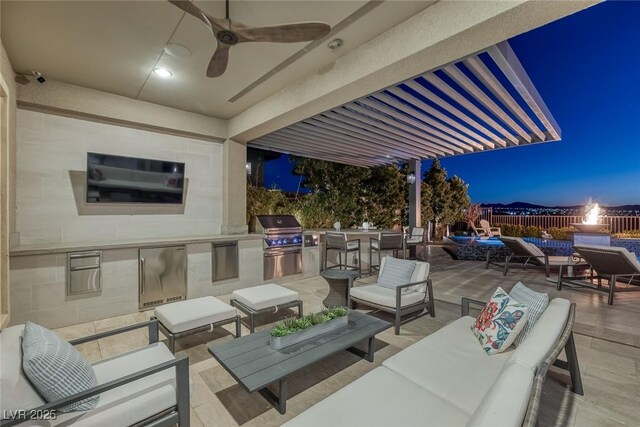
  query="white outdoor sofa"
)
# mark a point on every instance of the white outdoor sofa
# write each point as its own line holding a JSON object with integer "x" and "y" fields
{"x": 447, "y": 379}
{"x": 145, "y": 386}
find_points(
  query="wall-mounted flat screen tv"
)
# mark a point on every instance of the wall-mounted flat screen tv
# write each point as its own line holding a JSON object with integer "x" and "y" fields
{"x": 118, "y": 179}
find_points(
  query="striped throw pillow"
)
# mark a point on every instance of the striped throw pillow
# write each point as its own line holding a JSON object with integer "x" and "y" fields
{"x": 55, "y": 368}
{"x": 537, "y": 303}
{"x": 396, "y": 272}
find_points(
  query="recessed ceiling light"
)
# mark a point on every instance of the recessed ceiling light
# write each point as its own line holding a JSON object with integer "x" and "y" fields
{"x": 162, "y": 72}
{"x": 177, "y": 50}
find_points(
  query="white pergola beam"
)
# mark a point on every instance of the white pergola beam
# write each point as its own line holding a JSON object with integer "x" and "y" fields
{"x": 467, "y": 84}
{"x": 510, "y": 65}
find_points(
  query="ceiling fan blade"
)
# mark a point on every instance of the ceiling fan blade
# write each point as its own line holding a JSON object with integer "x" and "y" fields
{"x": 22, "y": 79}
{"x": 219, "y": 60}
{"x": 193, "y": 10}
{"x": 286, "y": 33}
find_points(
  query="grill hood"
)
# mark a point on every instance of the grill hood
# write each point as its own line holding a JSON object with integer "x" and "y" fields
{"x": 269, "y": 224}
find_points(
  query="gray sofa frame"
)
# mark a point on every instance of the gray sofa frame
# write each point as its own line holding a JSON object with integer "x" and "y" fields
{"x": 398, "y": 311}
{"x": 566, "y": 342}
{"x": 173, "y": 336}
{"x": 253, "y": 313}
{"x": 179, "y": 414}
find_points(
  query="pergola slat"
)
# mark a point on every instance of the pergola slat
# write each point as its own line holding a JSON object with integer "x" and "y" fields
{"x": 445, "y": 115}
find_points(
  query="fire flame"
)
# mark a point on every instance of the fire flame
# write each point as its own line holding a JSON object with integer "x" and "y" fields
{"x": 592, "y": 213}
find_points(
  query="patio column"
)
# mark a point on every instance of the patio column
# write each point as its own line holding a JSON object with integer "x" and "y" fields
{"x": 414, "y": 199}
{"x": 234, "y": 188}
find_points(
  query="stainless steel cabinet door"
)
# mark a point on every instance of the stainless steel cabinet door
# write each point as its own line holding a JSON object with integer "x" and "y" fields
{"x": 163, "y": 275}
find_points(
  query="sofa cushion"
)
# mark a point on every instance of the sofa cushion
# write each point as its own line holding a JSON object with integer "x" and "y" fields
{"x": 264, "y": 296}
{"x": 544, "y": 334}
{"x": 506, "y": 402}
{"x": 380, "y": 398}
{"x": 499, "y": 323}
{"x": 451, "y": 365}
{"x": 537, "y": 303}
{"x": 132, "y": 402}
{"x": 55, "y": 368}
{"x": 384, "y": 296}
{"x": 184, "y": 315}
{"x": 15, "y": 389}
{"x": 395, "y": 272}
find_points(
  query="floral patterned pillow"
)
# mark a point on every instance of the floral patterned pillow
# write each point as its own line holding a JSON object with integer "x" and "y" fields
{"x": 499, "y": 323}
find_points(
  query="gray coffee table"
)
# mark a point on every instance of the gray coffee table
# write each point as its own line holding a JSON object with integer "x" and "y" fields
{"x": 254, "y": 365}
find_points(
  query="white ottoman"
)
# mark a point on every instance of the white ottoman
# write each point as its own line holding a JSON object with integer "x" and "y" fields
{"x": 182, "y": 318}
{"x": 265, "y": 299}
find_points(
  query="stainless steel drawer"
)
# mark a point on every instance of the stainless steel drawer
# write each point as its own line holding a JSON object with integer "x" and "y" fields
{"x": 281, "y": 263}
{"x": 84, "y": 273}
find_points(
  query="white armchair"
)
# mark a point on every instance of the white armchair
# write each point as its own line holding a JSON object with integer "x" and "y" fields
{"x": 414, "y": 296}
{"x": 145, "y": 386}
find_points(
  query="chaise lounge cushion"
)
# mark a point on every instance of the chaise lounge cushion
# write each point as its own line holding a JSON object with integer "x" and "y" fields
{"x": 55, "y": 368}
{"x": 545, "y": 333}
{"x": 135, "y": 401}
{"x": 507, "y": 400}
{"x": 451, "y": 365}
{"x": 385, "y": 296}
{"x": 264, "y": 296}
{"x": 380, "y": 398}
{"x": 185, "y": 315}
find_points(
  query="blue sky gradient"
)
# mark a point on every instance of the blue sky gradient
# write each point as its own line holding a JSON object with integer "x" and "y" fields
{"x": 587, "y": 69}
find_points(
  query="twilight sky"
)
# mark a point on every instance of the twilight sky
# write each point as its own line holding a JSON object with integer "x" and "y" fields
{"x": 587, "y": 69}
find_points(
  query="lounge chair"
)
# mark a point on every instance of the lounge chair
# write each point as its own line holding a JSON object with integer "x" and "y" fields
{"x": 612, "y": 263}
{"x": 531, "y": 255}
{"x": 407, "y": 298}
{"x": 489, "y": 230}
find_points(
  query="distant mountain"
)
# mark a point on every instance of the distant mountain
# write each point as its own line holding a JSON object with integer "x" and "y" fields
{"x": 525, "y": 205}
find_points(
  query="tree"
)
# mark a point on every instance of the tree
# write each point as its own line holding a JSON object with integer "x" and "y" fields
{"x": 439, "y": 199}
{"x": 458, "y": 201}
{"x": 444, "y": 200}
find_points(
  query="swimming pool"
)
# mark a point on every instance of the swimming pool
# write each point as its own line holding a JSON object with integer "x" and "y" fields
{"x": 476, "y": 248}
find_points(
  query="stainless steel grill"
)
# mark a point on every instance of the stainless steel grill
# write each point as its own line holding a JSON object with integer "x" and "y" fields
{"x": 282, "y": 244}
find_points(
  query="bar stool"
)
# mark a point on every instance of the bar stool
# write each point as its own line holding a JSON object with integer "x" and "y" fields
{"x": 338, "y": 242}
{"x": 385, "y": 242}
{"x": 416, "y": 238}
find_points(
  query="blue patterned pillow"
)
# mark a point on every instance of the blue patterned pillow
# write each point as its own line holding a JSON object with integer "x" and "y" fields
{"x": 55, "y": 368}
{"x": 499, "y": 323}
{"x": 396, "y": 272}
{"x": 537, "y": 303}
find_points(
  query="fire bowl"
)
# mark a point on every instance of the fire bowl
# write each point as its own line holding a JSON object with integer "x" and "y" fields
{"x": 589, "y": 228}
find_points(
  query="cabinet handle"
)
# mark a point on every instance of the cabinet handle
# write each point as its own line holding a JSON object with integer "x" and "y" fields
{"x": 142, "y": 276}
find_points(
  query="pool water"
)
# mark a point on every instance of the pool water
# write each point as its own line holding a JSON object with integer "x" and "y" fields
{"x": 475, "y": 248}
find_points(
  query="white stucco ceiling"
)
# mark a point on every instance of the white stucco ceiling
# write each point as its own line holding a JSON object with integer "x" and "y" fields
{"x": 112, "y": 46}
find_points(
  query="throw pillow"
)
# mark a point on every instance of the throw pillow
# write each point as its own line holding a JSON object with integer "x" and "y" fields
{"x": 499, "y": 323}
{"x": 55, "y": 368}
{"x": 537, "y": 303}
{"x": 396, "y": 272}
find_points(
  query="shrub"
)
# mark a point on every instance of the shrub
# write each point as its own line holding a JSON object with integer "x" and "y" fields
{"x": 628, "y": 234}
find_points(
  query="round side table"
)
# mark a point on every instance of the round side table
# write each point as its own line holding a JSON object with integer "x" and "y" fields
{"x": 340, "y": 282}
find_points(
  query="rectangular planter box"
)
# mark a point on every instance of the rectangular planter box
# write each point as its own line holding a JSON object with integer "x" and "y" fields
{"x": 278, "y": 343}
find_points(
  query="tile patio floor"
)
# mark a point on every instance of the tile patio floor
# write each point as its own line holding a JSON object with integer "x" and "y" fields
{"x": 607, "y": 339}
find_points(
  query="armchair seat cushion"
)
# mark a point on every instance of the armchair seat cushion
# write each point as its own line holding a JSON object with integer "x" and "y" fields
{"x": 381, "y": 398}
{"x": 385, "y": 297}
{"x": 133, "y": 402}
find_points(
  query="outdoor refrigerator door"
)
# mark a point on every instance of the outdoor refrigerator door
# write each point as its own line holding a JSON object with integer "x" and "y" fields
{"x": 163, "y": 275}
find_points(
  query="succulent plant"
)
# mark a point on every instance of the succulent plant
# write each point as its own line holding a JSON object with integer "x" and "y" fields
{"x": 291, "y": 325}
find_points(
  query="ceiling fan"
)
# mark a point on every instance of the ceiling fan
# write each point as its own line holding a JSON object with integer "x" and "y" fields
{"x": 228, "y": 33}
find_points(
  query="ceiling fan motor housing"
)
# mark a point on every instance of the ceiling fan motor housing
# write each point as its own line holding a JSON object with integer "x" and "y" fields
{"x": 227, "y": 37}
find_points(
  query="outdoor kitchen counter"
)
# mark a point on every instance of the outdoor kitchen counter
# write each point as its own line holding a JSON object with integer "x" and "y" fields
{"x": 353, "y": 233}
{"x": 140, "y": 243}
